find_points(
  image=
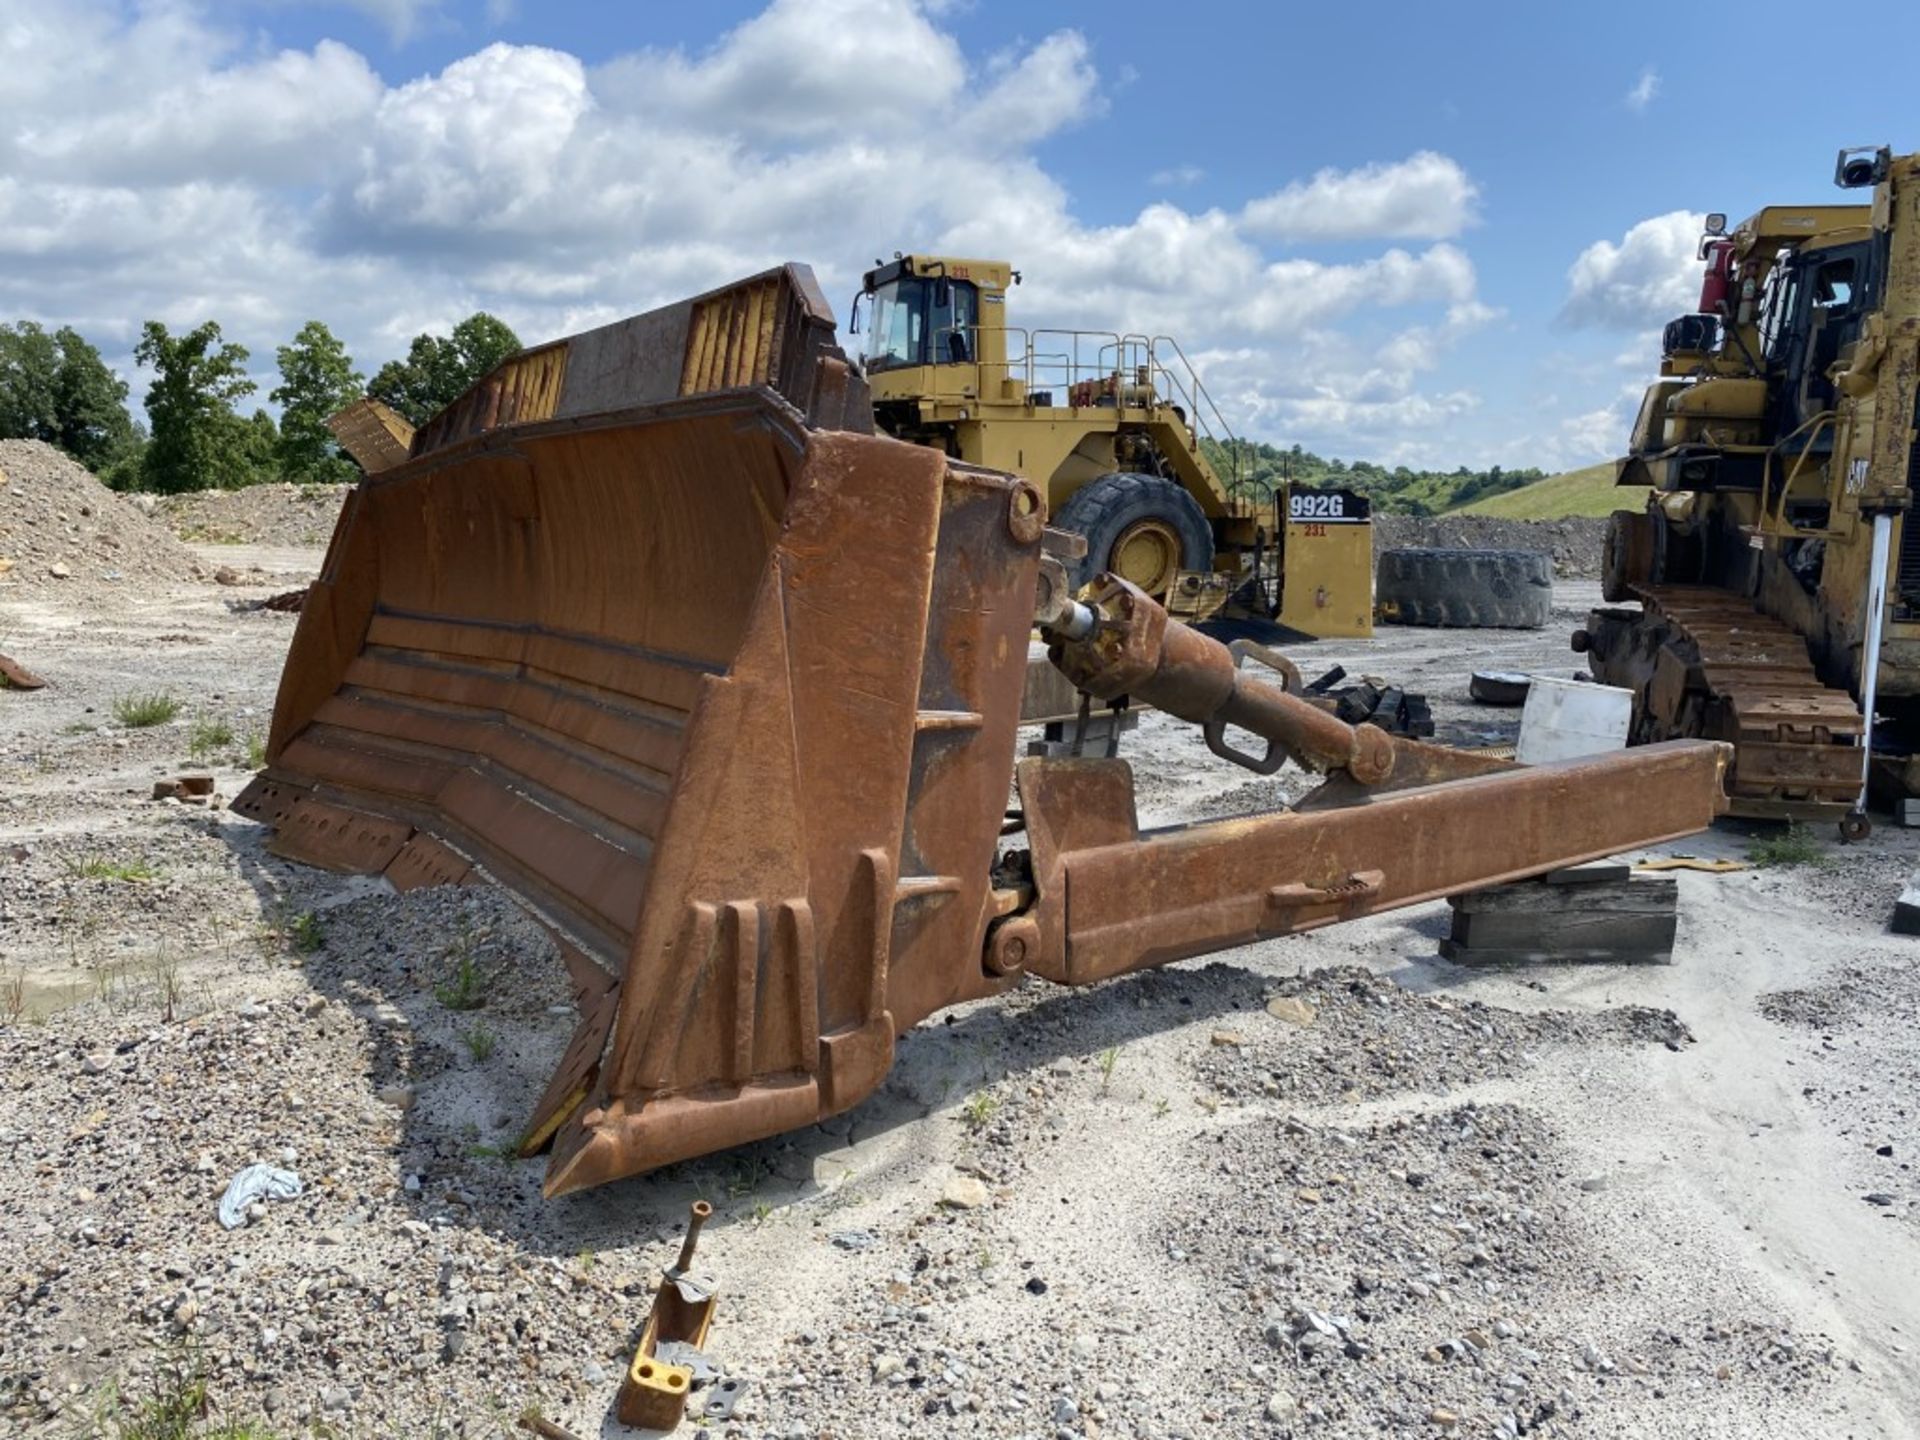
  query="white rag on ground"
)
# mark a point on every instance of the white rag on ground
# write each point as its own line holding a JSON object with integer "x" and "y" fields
{"x": 254, "y": 1183}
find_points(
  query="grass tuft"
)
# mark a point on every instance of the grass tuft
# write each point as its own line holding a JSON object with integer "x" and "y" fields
{"x": 256, "y": 752}
{"x": 978, "y": 1111}
{"x": 180, "y": 1408}
{"x": 479, "y": 1040}
{"x": 98, "y": 867}
{"x": 1793, "y": 845}
{"x": 139, "y": 712}
{"x": 208, "y": 737}
{"x": 305, "y": 933}
{"x": 466, "y": 988}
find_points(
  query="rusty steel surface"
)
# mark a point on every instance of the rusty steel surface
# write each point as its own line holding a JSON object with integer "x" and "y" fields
{"x": 17, "y": 676}
{"x": 1111, "y": 899}
{"x": 727, "y": 692}
{"x": 1138, "y": 649}
{"x": 373, "y": 434}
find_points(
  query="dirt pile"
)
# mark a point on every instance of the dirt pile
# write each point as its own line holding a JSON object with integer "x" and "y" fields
{"x": 1574, "y": 543}
{"x": 60, "y": 527}
{"x": 257, "y": 515}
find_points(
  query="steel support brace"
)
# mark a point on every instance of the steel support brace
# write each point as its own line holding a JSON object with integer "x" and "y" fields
{"x": 1112, "y": 900}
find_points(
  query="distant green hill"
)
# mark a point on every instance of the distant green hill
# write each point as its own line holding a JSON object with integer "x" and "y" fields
{"x": 1396, "y": 491}
{"x": 1577, "y": 492}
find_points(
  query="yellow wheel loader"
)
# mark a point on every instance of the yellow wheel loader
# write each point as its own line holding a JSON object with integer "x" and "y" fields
{"x": 1776, "y": 565}
{"x": 1109, "y": 427}
{"x": 650, "y": 628}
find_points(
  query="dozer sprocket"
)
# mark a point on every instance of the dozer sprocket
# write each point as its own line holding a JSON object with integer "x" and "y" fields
{"x": 1705, "y": 664}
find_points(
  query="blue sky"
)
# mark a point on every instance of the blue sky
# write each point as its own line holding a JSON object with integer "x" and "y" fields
{"x": 1419, "y": 233}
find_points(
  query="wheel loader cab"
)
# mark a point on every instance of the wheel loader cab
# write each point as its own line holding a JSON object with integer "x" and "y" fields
{"x": 921, "y": 320}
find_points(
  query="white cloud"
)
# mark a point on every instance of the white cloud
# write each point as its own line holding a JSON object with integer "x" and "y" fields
{"x": 1650, "y": 276}
{"x": 1644, "y": 90}
{"x": 403, "y": 20}
{"x": 1424, "y": 197}
{"x": 485, "y": 145}
{"x": 1049, "y": 88}
{"x": 1595, "y": 433}
{"x": 272, "y": 121}
{"x": 157, "y": 165}
{"x": 801, "y": 69}
{"x": 1177, "y": 175}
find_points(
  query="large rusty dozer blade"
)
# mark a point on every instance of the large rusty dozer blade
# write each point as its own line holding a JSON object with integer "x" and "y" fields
{"x": 649, "y": 631}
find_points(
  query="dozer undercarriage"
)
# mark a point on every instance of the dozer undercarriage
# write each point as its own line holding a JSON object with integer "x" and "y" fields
{"x": 649, "y": 631}
{"x": 1778, "y": 557}
{"x": 1702, "y": 662}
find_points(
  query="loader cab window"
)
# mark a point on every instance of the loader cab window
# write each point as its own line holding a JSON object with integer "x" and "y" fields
{"x": 922, "y": 320}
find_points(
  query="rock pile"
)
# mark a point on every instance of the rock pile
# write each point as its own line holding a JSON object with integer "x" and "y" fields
{"x": 60, "y": 527}
{"x": 1573, "y": 543}
{"x": 257, "y": 515}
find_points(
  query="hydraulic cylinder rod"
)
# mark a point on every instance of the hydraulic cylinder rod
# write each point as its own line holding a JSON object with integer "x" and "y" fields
{"x": 1855, "y": 825}
{"x": 1114, "y": 640}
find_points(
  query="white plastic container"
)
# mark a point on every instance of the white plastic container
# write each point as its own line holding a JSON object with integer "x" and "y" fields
{"x": 1565, "y": 718}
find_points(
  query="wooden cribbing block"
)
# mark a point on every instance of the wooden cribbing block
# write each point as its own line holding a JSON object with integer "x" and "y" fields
{"x": 1584, "y": 914}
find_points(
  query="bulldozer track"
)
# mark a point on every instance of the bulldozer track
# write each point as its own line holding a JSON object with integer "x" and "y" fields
{"x": 1796, "y": 739}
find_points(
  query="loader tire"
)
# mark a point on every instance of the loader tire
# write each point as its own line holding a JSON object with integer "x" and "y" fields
{"x": 1482, "y": 589}
{"x": 1140, "y": 527}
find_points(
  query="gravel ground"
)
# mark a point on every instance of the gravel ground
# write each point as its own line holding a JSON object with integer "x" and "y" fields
{"x": 1324, "y": 1186}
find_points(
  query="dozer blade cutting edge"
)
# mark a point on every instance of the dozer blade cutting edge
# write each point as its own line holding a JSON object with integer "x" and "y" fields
{"x": 652, "y": 631}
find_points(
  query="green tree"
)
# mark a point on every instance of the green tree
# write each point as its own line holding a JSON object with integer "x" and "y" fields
{"x": 91, "y": 401}
{"x": 29, "y": 361}
{"x": 260, "y": 448}
{"x": 198, "y": 442}
{"x": 317, "y": 378}
{"x": 436, "y": 371}
{"x": 56, "y": 388}
{"x": 1401, "y": 490}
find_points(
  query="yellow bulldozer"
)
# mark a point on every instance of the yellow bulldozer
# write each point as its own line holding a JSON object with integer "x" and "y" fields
{"x": 1110, "y": 427}
{"x": 651, "y": 628}
{"x": 1776, "y": 563}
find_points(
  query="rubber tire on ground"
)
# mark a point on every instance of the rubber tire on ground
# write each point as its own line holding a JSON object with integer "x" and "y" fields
{"x": 1485, "y": 589}
{"x": 1104, "y": 508}
{"x": 1499, "y": 687}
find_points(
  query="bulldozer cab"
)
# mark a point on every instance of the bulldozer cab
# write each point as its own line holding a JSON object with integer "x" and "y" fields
{"x": 1813, "y": 306}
